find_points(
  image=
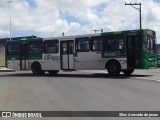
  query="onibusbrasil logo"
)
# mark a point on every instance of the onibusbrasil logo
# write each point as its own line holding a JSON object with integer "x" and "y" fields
{"x": 21, "y": 114}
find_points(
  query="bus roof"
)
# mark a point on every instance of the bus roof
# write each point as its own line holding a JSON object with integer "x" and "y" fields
{"x": 24, "y": 40}
{"x": 76, "y": 36}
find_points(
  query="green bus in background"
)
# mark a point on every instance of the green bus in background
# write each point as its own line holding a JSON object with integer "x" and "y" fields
{"x": 121, "y": 51}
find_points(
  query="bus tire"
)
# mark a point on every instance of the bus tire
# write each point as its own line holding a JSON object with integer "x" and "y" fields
{"x": 113, "y": 68}
{"x": 53, "y": 72}
{"x": 128, "y": 71}
{"x": 42, "y": 72}
{"x": 36, "y": 69}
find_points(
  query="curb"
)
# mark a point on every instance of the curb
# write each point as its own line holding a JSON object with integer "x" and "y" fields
{"x": 6, "y": 70}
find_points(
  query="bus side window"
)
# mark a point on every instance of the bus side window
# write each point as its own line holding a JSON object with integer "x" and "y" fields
{"x": 51, "y": 46}
{"x": 13, "y": 49}
{"x": 109, "y": 45}
{"x": 97, "y": 43}
{"x": 115, "y": 42}
{"x": 82, "y": 44}
{"x": 36, "y": 47}
{"x": 121, "y": 44}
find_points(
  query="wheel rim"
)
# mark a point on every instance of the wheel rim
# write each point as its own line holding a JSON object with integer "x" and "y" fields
{"x": 113, "y": 68}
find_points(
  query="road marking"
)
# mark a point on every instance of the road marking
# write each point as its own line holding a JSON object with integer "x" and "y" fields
{"x": 158, "y": 80}
{"x": 149, "y": 79}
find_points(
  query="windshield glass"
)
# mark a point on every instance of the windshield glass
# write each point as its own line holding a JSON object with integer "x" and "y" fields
{"x": 149, "y": 44}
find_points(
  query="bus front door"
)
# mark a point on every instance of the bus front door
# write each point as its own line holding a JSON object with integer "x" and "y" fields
{"x": 24, "y": 57}
{"x": 67, "y": 55}
{"x": 133, "y": 51}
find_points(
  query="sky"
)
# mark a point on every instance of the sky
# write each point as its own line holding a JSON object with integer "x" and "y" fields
{"x": 49, "y": 18}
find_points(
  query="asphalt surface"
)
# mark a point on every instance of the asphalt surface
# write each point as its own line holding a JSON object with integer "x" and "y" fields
{"x": 80, "y": 91}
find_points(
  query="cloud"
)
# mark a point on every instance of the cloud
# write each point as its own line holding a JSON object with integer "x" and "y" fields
{"x": 51, "y": 18}
{"x": 4, "y": 32}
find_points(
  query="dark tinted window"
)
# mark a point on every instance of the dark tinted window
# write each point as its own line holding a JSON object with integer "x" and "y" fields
{"x": 71, "y": 48}
{"x": 82, "y": 44}
{"x": 115, "y": 42}
{"x": 51, "y": 46}
{"x": 97, "y": 43}
{"x": 13, "y": 49}
{"x": 35, "y": 47}
{"x": 64, "y": 48}
{"x": 67, "y": 47}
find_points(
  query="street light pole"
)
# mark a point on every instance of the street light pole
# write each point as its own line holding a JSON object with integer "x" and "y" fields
{"x": 9, "y": 2}
{"x": 139, "y": 9}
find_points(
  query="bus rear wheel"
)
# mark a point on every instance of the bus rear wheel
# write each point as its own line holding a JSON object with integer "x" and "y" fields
{"x": 128, "y": 71}
{"x": 113, "y": 68}
{"x": 36, "y": 69}
{"x": 53, "y": 72}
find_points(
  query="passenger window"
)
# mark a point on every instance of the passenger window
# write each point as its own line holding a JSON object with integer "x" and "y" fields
{"x": 115, "y": 42}
{"x": 35, "y": 47}
{"x": 13, "y": 49}
{"x": 64, "y": 48}
{"x": 51, "y": 46}
{"x": 97, "y": 43}
{"x": 82, "y": 44}
{"x": 71, "y": 48}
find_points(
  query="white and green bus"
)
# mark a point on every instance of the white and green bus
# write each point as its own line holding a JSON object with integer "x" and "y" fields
{"x": 121, "y": 51}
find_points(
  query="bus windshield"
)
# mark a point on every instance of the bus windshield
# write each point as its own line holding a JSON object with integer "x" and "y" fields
{"x": 149, "y": 44}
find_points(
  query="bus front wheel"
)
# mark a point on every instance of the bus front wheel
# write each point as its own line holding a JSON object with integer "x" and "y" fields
{"x": 128, "y": 71}
{"x": 36, "y": 69}
{"x": 113, "y": 68}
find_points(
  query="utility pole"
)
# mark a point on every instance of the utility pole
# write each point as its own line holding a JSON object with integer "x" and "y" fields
{"x": 139, "y": 9}
{"x": 9, "y": 2}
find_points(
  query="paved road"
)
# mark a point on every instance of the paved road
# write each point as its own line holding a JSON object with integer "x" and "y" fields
{"x": 80, "y": 91}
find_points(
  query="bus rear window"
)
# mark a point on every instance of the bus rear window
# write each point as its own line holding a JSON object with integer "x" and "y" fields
{"x": 13, "y": 49}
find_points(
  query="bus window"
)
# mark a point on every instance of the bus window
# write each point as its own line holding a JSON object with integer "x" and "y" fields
{"x": 121, "y": 45}
{"x": 13, "y": 49}
{"x": 67, "y": 47}
{"x": 71, "y": 50}
{"x": 149, "y": 44}
{"x": 35, "y": 47}
{"x": 51, "y": 46}
{"x": 97, "y": 43}
{"x": 64, "y": 48}
{"x": 82, "y": 44}
{"x": 115, "y": 42}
